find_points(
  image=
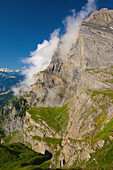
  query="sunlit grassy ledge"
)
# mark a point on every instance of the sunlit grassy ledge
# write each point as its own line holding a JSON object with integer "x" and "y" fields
{"x": 55, "y": 117}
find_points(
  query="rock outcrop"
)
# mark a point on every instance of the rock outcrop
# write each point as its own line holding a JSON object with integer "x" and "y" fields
{"x": 71, "y": 103}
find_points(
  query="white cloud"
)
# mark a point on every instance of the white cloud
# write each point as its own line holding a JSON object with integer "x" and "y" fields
{"x": 72, "y": 26}
{"x": 41, "y": 57}
{"x": 39, "y": 60}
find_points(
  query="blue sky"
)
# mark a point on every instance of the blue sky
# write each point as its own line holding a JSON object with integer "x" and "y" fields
{"x": 25, "y": 23}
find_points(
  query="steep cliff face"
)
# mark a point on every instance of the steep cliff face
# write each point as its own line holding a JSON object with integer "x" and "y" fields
{"x": 93, "y": 49}
{"x": 56, "y": 85}
{"x": 71, "y": 103}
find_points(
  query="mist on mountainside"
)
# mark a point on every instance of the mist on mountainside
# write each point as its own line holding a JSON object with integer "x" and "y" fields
{"x": 41, "y": 57}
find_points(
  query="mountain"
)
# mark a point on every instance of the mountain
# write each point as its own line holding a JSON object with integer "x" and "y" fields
{"x": 7, "y": 80}
{"x": 69, "y": 110}
{"x": 17, "y": 155}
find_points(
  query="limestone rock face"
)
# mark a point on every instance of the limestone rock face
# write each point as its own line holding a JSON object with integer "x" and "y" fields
{"x": 104, "y": 17}
{"x": 13, "y": 123}
{"x": 82, "y": 83}
{"x": 93, "y": 48}
{"x": 56, "y": 85}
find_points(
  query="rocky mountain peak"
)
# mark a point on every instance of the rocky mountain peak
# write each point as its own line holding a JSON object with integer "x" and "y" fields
{"x": 104, "y": 17}
{"x": 57, "y": 84}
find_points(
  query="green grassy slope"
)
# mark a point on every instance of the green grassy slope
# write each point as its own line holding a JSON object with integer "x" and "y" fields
{"x": 18, "y": 156}
{"x": 55, "y": 117}
{"x": 103, "y": 158}
{"x": 4, "y": 98}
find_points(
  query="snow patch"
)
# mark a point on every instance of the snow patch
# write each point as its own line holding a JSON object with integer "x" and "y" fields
{"x": 111, "y": 28}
